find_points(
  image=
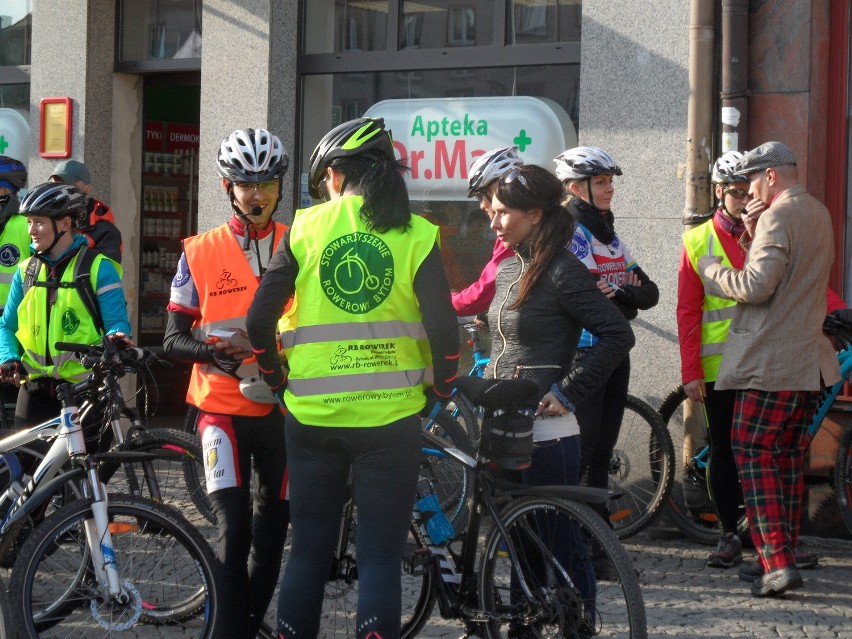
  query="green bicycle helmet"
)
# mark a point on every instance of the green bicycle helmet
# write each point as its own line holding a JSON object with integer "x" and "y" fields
{"x": 362, "y": 136}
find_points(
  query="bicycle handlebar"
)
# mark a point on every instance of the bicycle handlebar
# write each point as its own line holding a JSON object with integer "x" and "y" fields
{"x": 104, "y": 354}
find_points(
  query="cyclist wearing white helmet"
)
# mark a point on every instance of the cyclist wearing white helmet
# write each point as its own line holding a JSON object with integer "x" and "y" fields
{"x": 482, "y": 182}
{"x": 702, "y": 322}
{"x": 587, "y": 174}
{"x": 243, "y": 437}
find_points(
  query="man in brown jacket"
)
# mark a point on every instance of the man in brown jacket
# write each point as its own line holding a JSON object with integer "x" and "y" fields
{"x": 776, "y": 354}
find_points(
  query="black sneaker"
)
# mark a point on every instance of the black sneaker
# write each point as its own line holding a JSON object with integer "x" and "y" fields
{"x": 754, "y": 570}
{"x": 728, "y": 553}
{"x": 777, "y": 582}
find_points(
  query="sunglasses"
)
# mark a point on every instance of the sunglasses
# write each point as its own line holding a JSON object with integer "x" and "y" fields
{"x": 515, "y": 174}
{"x": 737, "y": 192}
{"x": 270, "y": 186}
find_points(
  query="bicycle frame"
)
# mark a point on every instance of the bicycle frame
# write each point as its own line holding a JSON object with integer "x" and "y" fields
{"x": 70, "y": 444}
{"x": 455, "y": 585}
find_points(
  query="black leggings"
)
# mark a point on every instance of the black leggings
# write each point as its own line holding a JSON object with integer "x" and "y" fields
{"x": 384, "y": 462}
{"x": 722, "y": 478}
{"x": 600, "y": 416}
{"x": 252, "y": 527}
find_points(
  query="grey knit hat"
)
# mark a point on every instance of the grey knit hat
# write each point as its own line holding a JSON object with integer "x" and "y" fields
{"x": 767, "y": 155}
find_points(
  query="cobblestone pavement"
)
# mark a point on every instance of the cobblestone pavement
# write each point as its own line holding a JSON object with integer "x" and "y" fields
{"x": 686, "y": 599}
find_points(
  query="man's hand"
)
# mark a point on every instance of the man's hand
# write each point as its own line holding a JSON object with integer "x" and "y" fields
{"x": 753, "y": 210}
{"x": 696, "y": 390}
{"x": 706, "y": 260}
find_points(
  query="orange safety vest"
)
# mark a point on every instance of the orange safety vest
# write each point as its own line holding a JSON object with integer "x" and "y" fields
{"x": 226, "y": 286}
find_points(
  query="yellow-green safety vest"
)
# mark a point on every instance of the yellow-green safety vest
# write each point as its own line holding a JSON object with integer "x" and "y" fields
{"x": 717, "y": 312}
{"x": 70, "y": 321}
{"x": 14, "y": 247}
{"x": 356, "y": 346}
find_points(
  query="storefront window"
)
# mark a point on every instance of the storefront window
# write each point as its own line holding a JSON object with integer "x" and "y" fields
{"x": 358, "y": 26}
{"x": 446, "y": 23}
{"x": 441, "y": 120}
{"x": 159, "y": 30}
{"x": 15, "y": 32}
{"x": 534, "y": 21}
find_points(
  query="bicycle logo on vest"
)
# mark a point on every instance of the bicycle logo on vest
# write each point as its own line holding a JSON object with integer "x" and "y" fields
{"x": 356, "y": 272}
{"x": 70, "y": 322}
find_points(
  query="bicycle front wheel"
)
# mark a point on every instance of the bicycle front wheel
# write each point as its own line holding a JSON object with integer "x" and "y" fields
{"x": 552, "y": 542}
{"x": 641, "y": 468}
{"x": 843, "y": 478}
{"x": 166, "y": 568}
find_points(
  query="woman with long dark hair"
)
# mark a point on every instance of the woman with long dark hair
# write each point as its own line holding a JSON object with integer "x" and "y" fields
{"x": 372, "y": 327}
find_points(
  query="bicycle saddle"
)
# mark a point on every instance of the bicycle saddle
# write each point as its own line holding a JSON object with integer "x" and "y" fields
{"x": 497, "y": 393}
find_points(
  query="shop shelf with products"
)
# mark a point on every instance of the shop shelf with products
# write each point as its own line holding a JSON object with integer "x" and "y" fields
{"x": 169, "y": 214}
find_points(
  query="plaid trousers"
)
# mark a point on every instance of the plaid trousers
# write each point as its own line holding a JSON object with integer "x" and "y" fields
{"x": 768, "y": 438}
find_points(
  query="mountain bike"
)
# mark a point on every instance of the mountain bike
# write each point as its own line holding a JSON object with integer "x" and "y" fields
{"x": 518, "y": 566}
{"x": 641, "y": 468}
{"x": 689, "y": 501}
{"x": 100, "y": 562}
{"x": 163, "y": 464}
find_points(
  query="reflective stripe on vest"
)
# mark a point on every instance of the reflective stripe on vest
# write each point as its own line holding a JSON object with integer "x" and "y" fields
{"x": 718, "y": 311}
{"x": 69, "y": 321}
{"x": 226, "y": 286}
{"x": 359, "y": 356}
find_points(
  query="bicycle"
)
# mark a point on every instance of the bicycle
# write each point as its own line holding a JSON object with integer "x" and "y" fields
{"x": 641, "y": 468}
{"x": 698, "y": 520}
{"x": 514, "y": 533}
{"x": 163, "y": 464}
{"x": 100, "y": 562}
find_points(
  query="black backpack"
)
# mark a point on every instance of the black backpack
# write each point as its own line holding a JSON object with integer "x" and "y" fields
{"x": 82, "y": 282}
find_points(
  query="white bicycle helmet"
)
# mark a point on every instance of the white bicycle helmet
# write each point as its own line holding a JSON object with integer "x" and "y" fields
{"x": 723, "y": 169}
{"x": 252, "y": 155}
{"x": 490, "y": 166}
{"x": 584, "y": 162}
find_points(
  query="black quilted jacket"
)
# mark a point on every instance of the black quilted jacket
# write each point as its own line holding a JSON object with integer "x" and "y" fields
{"x": 544, "y": 332}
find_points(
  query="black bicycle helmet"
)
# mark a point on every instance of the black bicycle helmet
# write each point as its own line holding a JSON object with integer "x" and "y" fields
{"x": 13, "y": 172}
{"x": 54, "y": 200}
{"x": 362, "y": 136}
{"x": 584, "y": 162}
{"x": 490, "y": 166}
{"x": 252, "y": 155}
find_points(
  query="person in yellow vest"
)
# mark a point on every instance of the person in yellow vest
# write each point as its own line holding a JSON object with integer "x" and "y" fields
{"x": 703, "y": 322}
{"x": 14, "y": 239}
{"x": 375, "y": 326}
{"x": 242, "y": 434}
{"x": 50, "y": 301}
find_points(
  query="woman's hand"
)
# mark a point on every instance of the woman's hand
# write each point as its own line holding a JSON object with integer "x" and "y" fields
{"x": 549, "y": 406}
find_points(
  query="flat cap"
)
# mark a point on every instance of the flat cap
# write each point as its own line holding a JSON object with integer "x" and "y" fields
{"x": 767, "y": 155}
{"x": 72, "y": 171}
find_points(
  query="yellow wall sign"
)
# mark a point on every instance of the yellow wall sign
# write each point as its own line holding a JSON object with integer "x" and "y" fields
{"x": 55, "y": 131}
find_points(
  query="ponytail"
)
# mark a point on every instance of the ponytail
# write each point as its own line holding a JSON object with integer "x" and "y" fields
{"x": 379, "y": 180}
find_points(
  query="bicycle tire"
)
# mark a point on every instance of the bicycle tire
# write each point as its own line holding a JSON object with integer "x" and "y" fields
{"x": 700, "y": 524}
{"x": 467, "y": 415}
{"x": 843, "y": 478}
{"x": 451, "y": 479}
{"x": 641, "y": 468}
{"x": 179, "y": 470}
{"x": 539, "y": 528}
{"x": 174, "y": 573}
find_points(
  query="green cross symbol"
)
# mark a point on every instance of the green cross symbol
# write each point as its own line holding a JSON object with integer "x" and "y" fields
{"x": 3, "y": 144}
{"x": 522, "y": 140}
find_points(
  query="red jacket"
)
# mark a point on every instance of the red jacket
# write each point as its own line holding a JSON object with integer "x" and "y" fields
{"x": 476, "y": 298}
